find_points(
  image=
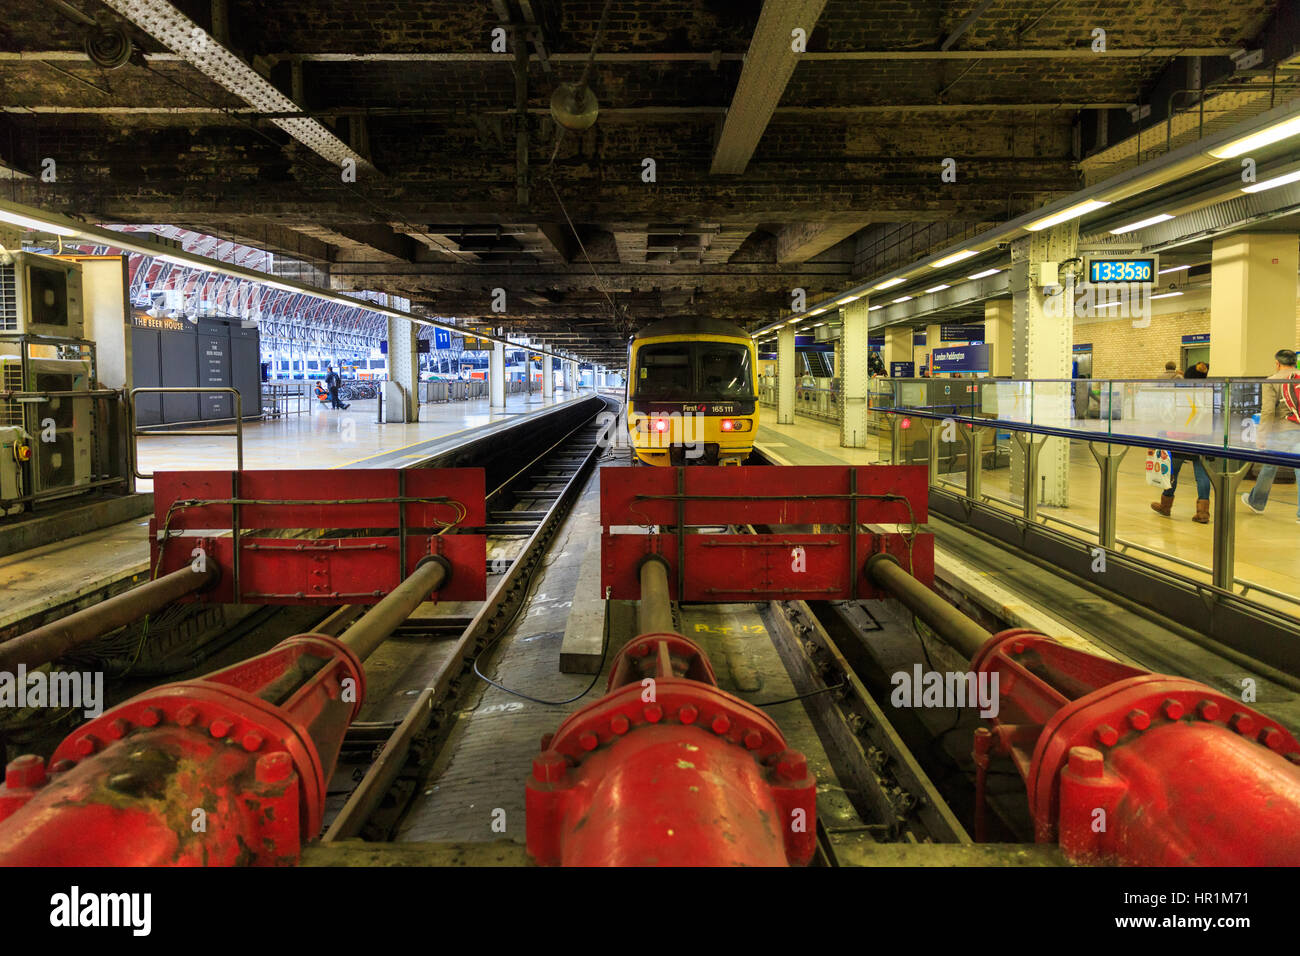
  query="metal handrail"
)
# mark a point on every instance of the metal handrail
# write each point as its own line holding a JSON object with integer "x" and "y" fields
{"x": 134, "y": 430}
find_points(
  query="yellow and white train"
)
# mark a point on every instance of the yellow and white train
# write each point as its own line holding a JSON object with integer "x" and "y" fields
{"x": 692, "y": 393}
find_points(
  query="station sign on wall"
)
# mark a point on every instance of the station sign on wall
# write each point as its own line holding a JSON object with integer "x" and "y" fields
{"x": 918, "y": 339}
{"x": 442, "y": 338}
{"x": 902, "y": 370}
{"x": 1200, "y": 339}
{"x": 961, "y": 358}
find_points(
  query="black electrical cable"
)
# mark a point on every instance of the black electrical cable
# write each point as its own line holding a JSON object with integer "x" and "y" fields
{"x": 790, "y": 700}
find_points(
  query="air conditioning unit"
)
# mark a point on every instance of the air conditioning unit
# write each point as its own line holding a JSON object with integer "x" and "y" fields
{"x": 41, "y": 295}
{"x": 59, "y": 427}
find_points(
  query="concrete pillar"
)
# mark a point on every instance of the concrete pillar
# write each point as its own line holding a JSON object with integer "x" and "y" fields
{"x": 997, "y": 333}
{"x": 931, "y": 341}
{"x": 785, "y": 375}
{"x": 497, "y": 376}
{"x": 853, "y": 379}
{"x": 548, "y": 380}
{"x": 403, "y": 369}
{"x": 573, "y": 377}
{"x": 1042, "y": 344}
{"x": 898, "y": 347}
{"x": 1252, "y": 301}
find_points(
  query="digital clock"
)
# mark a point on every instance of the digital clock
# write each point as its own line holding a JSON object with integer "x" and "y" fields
{"x": 1109, "y": 270}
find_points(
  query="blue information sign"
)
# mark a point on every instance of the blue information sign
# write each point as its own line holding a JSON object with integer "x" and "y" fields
{"x": 1201, "y": 339}
{"x": 961, "y": 333}
{"x": 902, "y": 370}
{"x": 442, "y": 338}
{"x": 918, "y": 338}
{"x": 961, "y": 358}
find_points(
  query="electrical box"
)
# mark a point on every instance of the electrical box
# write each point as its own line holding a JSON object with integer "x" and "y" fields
{"x": 14, "y": 447}
{"x": 1043, "y": 274}
{"x": 41, "y": 295}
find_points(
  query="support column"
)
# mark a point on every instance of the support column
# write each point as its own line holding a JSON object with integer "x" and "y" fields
{"x": 898, "y": 347}
{"x": 931, "y": 341}
{"x": 997, "y": 333}
{"x": 497, "y": 376}
{"x": 548, "y": 380}
{"x": 853, "y": 381}
{"x": 1042, "y": 343}
{"x": 785, "y": 375}
{"x": 573, "y": 377}
{"x": 1252, "y": 301}
{"x": 403, "y": 365}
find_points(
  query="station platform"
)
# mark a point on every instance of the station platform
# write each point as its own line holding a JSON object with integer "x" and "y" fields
{"x": 326, "y": 438}
{"x": 83, "y": 570}
{"x": 1015, "y": 589}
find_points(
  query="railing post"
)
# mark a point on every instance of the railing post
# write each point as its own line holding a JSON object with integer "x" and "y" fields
{"x": 1224, "y": 479}
{"x": 1109, "y": 463}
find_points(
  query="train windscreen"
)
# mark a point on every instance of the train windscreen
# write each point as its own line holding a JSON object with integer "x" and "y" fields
{"x": 685, "y": 371}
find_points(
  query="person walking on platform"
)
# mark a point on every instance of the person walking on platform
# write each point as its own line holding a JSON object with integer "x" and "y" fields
{"x": 1166, "y": 502}
{"x": 1279, "y": 426}
{"x": 333, "y": 382}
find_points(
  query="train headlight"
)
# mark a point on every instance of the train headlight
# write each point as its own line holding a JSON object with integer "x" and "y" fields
{"x": 737, "y": 424}
{"x": 653, "y": 425}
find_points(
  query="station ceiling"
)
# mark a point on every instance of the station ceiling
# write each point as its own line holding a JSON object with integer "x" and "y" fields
{"x": 772, "y": 170}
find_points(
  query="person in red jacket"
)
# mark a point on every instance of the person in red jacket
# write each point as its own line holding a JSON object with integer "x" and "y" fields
{"x": 1279, "y": 427}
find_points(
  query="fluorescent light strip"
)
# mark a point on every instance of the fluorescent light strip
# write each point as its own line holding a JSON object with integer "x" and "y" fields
{"x": 903, "y": 298}
{"x": 1141, "y": 224}
{"x": 938, "y": 288}
{"x": 1271, "y": 134}
{"x": 1272, "y": 183}
{"x": 888, "y": 284}
{"x": 985, "y": 274}
{"x": 847, "y": 299}
{"x": 874, "y": 307}
{"x": 954, "y": 258}
{"x": 1065, "y": 215}
{"x": 1166, "y": 295}
{"x": 1172, "y": 269}
{"x": 40, "y": 225}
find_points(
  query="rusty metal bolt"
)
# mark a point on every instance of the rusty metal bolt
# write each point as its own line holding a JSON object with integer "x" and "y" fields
{"x": 720, "y": 724}
{"x": 274, "y": 768}
{"x": 619, "y": 724}
{"x": 753, "y": 740}
{"x": 1139, "y": 719}
{"x": 1272, "y": 738}
{"x": 549, "y": 767}
{"x": 118, "y": 728}
{"x": 86, "y": 746}
{"x": 220, "y": 727}
{"x": 1106, "y": 734}
{"x": 1208, "y": 710}
{"x": 791, "y": 766}
{"x": 1087, "y": 762}
{"x": 1242, "y": 723}
{"x": 1173, "y": 709}
{"x": 688, "y": 714}
{"x": 252, "y": 741}
{"x": 589, "y": 741}
{"x": 653, "y": 713}
{"x": 150, "y": 717}
{"x": 25, "y": 771}
{"x": 186, "y": 716}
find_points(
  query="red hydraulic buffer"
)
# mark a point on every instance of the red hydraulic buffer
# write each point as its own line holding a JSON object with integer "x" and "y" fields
{"x": 228, "y": 769}
{"x": 669, "y": 770}
{"x": 1129, "y": 767}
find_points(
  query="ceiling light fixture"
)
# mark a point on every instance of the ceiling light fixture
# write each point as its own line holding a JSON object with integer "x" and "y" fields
{"x": 954, "y": 258}
{"x": 1141, "y": 224}
{"x": 985, "y": 274}
{"x": 1272, "y": 183}
{"x": 1065, "y": 215}
{"x": 938, "y": 288}
{"x": 888, "y": 284}
{"x": 1270, "y": 134}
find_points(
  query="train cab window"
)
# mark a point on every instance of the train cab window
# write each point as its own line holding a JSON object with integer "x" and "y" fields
{"x": 664, "y": 372}
{"x": 724, "y": 372}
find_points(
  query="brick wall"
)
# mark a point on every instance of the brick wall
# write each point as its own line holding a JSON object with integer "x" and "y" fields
{"x": 1121, "y": 351}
